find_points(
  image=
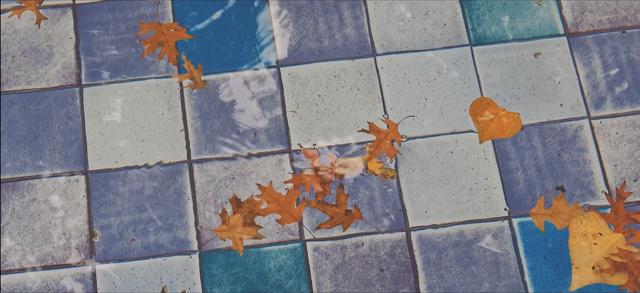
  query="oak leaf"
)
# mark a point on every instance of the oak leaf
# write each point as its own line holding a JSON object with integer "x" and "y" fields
{"x": 29, "y": 5}
{"x": 284, "y": 205}
{"x": 234, "y": 228}
{"x": 249, "y": 208}
{"x": 559, "y": 214}
{"x": 165, "y": 37}
{"x": 193, "y": 74}
{"x": 338, "y": 214}
{"x": 348, "y": 167}
{"x": 626, "y": 260}
{"x": 376, "y": 167}
{"x": 619, "y": 217}
{"x": 318, "y": 177}
{"x": 384, "y": 140}
{"x": 492, "y": 121}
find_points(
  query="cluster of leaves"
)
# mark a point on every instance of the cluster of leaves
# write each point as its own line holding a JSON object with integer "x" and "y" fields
{"x": 240, "y": 224}
{"x": 602, "y": 245}
{"x": 29, "y": 5}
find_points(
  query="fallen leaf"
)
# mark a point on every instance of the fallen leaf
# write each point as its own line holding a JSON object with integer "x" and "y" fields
{"x": 309, "y": 180}
{"x": 29, "y": 5}
{"x": 348, "y": 167}
{"x": 384, "y": 140}
{"x": 193, "y": 74}
{"x": 376, "y": 167}
{"x": 164, "y": 289}
{"x": 284, "y": 205}
{"x": 234, "y": 228}
{"x": 626, "y": 260}
{"x": 559, "y": 214}
{"x": 492, "y": 121}
{"x": 249, "y": 208}
{"x": 618, "y": 216}
{"x": 338, "y": 214}
{"x": 165, "y": 37}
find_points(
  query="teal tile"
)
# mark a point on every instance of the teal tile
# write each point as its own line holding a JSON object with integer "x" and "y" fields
{"x": 496, "y": 21}
{"x": 265, "y": 269}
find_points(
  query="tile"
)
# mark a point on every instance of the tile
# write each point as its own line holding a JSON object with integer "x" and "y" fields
{"x": 217, "y": 181}
{"x": 44, "y": 222}
{"x": 428, "y": 167}
{"x": 309, "y": 31}
{"x": 177, "y": 273}
{"x": 265, "y": 269}
{"x": 378, "y": 200}
{"x": 375, "y": 263}
{"x": 58, "y": 280}
{"x": 619, "y": 142}
{"x": 134, "y": 123}
{"x": 237, "y": 113}
{"x": 608, "y": 65}
{"x": 415, "y": 25}
{"x": 142, "y": 212}
{"x": 583, "y": 16}
{"x": 6, "y": 4}
{"x": 535, "y": 78}
{"x": 492, "y": 21}
{"x": 436, "y": 86}
{"x": 480, "y": 258}
{"x": 542, "y": 157}
{"x": 228, "y": 35}
{"x": 328, "y": 102}
{"x": 53, "y": 62}
{"x": 109, "y": 47}
{"x": 41, "y": 133}
{"x": 546, "y": 259}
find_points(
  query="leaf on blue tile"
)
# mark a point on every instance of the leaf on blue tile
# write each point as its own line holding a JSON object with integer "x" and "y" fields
{"x": 70, "y": 280}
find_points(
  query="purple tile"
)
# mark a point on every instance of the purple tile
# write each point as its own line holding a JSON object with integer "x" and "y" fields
{"x": 543, "y": 157}
{"x": 583, "y": 16}
{"x": 109, "y": 47}
{"x": 375, "y": 263}
{"x": 609, "y": 65}
{"x": 479, "y": 258}
{"x": 142, "y": 212}
{"x": 307, "y": 31}
{"x": 236, "y": 113}
{"x": 72, "y": 280}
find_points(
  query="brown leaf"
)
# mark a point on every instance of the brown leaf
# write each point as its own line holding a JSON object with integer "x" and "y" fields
{"x": 338, "y": 213}
{"x": 627, "y": 260}
{"x": 234, "y": 228}
{"x": 318, "y": 177}
{"x": 29, "y": 5}
{"x": 618, "y": 216}
{"x": 560, "y": 213}
{"x": 249, "y": 208}
{"x": 165, "y": 37}
{"x": 284, "y": 205}
{"x": 384, "y": 140}
{"x": 493, "y": 121}
{"x": 193, "y": 74}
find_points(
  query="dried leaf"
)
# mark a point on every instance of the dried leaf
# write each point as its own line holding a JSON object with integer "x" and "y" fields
{"x": 348, "y": 167}
{"x": 560, "y": 213}
{"x": 164, "y": 289}
{"x": 338, "y": 213}
{"x": 165, "y": 37}
{"x": 193, "y": 74}
{"x": 29, "y": 5}
{"x": 492, "y": 121}
{"x": 376, "y": 167}
{"x": 626, "y": 261}
{"x": 249, "y": 208}
{"x": 234, "y": 228}
{"x": 384, "y": 140}
{"x": 618, "y": 216}
{"x": 284, "y": 205}
{"x": 309, "y": 179}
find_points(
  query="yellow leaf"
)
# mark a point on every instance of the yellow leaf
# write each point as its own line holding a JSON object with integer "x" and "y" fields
{"x": 376, "y": 167}
{"x": 560, "y": 213}
{"x": 493, "y": 121}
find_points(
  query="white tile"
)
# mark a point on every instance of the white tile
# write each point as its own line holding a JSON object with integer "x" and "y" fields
{"x": 328, "y": 102}
{"x": 450, "y": 178}
{"x": 535, "y": 78}
{"x": 416, "y": 25}
{"x": 177, "y": 273}
{"x": 134, "y": 123}
{"x": 74, "y": 280}
{"x": 436, "y": 86}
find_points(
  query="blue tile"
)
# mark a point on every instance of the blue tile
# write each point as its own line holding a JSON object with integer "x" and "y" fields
{"x": 546, "y": 259}
{"x": 228, "y": 35}
{"x": 236, "y": 113}
{"x": 142, "y": 212}
{"x": 109, "y": 47}
{"x": 70, "y": 280}
{"x": 264, "y": 269}
{"x": 480, "y": 258}
{"x": 307, "y": 31}
{"x": 41, "y": 133}
{"x": 609, "y": 66}
{"x": 542, "y": 157}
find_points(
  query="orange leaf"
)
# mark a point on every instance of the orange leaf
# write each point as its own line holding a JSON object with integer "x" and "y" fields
{"x": 618, "y": 217}
{"x": 560, "y": 213}
{"x": 376, "y": 167}
{"x": 309, "y": 179}
{"x": 29, "y": 5}
{"x": 629, "y": 263}
{"x": 492, "y": 121}
{"x": 249, "y": 208}
{"x": 338, "y": 213}
{"x": 165, "y": 37}
{"x": 193, "y": 74}
{"x": 234, "y": 228}
{"x": 384, "y": 140}
{"x": 283, "y": 205}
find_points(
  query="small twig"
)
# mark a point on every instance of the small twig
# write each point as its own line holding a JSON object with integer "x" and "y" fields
{"x": 405, "y": 117}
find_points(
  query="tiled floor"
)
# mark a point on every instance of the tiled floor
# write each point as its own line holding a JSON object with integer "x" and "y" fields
{"x": 112, "y": 175}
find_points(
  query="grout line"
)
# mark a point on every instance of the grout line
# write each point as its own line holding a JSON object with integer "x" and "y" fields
{"x": 375, "y": 59}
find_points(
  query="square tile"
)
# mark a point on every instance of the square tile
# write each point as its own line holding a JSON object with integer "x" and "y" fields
{"x": 109, "y": 47}
{"x": 309, "y": 31}
{"x": 217, "y": 181}
{"x": 543, "y": 157}
{"x": 228, "y": 35}
{"x": 378, "y": 200}
{"x": 142, "y": 212}
{"x": 41, "y": 133}
{"x": 480, "y": 258}
{"x": 608, "y": 65}
{"x": 134, "y": 123}
{"x": 619, "y": 144}
{"x": 491, "y": 21}
{"x": 436, "y": 86}
{"x": 52, "y": 58}
{"x": 328, "y": 102}
{"x": 535, "y": 78}
{"x": 546, "y": 259}
{"x": 236, "y": 113}
{"x": 415, "y": 25}
{"x": 583, "y": 16}
{"x": 428, "y": 167}
{"x": 59, "y": 280}
{"x": 44, "y": 222}
{"x": 375, "y": 263}
{"x": 272, "y": 269}
{"x": 177, "y": 273}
